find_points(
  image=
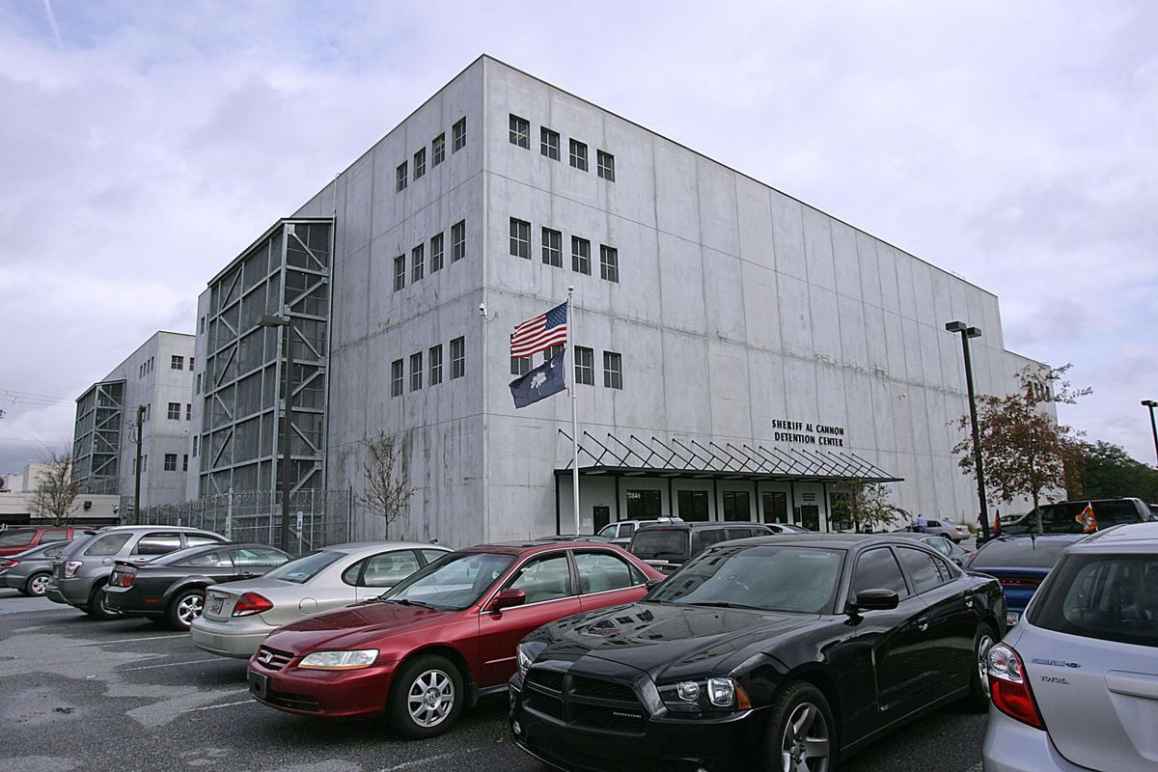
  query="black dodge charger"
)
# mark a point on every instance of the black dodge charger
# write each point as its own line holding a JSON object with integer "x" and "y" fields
{"x": 782, "y": 652}
{"x": 171, "y": 588}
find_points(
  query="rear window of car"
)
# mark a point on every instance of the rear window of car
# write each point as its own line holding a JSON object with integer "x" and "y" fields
{"x": 1106, "y": 597}
{"x": 109, "y": 544}
{"x": 1019, "y": 553}
{"x": 14, "y": 537}
{"x": 304, "y": 568}
{"x": 661, "y": 544}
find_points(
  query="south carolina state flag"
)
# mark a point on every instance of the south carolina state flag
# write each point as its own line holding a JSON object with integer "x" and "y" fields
{"x": 541, "y": 382}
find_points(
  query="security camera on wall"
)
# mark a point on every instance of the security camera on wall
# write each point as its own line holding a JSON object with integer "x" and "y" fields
{"x": 482, "y": 309}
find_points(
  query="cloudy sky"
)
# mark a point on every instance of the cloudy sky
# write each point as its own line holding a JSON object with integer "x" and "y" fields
{"x": 142, "y": 145}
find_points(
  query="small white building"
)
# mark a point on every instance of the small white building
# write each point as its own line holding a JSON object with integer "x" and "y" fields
{"x": 16, "y": 502}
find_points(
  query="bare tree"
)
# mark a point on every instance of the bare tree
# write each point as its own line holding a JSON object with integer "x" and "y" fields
{"x": 55, "y": 490}
{"x": 1024, "y": 450}
{"x": 387, "y": 475}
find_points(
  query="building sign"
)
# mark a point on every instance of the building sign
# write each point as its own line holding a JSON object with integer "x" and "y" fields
{"x": 804, "y": 433}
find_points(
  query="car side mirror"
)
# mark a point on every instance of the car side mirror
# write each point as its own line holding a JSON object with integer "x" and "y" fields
{"x": 508, "y": 598}
{"x": 653, "y": 583}
{"x": 876, "y": 600}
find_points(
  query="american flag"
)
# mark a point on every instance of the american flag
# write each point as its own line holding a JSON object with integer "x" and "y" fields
{"x": 540, "y": 332}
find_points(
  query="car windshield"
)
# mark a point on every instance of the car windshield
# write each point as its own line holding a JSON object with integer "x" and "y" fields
{"x": 304, "y": 568}
{"x": 452, "y": 582}
{"x": 1025, "y": 552}
{"x": 765, "y": 577}
{"x": 660, "y": 543}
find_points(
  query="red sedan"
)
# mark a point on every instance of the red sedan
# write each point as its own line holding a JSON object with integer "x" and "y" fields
{"x": 436, "y": 642}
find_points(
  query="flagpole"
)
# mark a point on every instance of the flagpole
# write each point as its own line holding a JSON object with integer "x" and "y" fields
{"x": 574, "y": 408}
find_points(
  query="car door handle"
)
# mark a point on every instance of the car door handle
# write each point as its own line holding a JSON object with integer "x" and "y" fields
{"x": 968, "y": 603}
{"x": 922, "y": 625}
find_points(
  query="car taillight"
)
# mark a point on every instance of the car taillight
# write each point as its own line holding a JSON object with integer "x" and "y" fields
{"x": 1009, "y": 686}
{"x": 124, "y": 578}
{"x": 71, "y": 568}
{"x": 251, "y": 603}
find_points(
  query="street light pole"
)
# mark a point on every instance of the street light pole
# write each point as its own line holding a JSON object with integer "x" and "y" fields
{"x": 968, "y": 332}
{"x": 137, "y": 470}
{"x": 1153, "y": 426}
{"x": 283, "y": 442}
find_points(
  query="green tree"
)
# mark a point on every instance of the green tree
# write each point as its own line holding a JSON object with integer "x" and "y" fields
{"x": 868, "y": 505}
{"x": 1102, "y": 470}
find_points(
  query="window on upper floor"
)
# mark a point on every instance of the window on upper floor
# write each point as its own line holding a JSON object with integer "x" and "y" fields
{"x": 416, "y": 371}
{"x": 520, "y": 365}
{"x": 549, "y": 143}
{"x": 436, "y": 252}
{"x": 191, "y": 363}
{"x": 420, "y": 163}
{"x": 552, "y": 247}
{"x": 608, "y": 263}
{"x": 520, "y": 238}
{"x": 400, "y": 177}
{"x": 458, "y": 135}
{"x": 396, "y": 378}
{"x": 458, "y": 241}
{"x": 520, "y": 132}
{"x": 176, "y": 362}
{"x": 584, "y": 365}
{"x": 612, "y": 370}
{"x": 605, "y": 165}
{"x": 417, "y": 262}
{"x": 579, "y": 155}
{"x": 197, "y": 390}
{"x": 458, "y": 358}
{"x": 170, "y": 462}
{"x": 184, "y": 462}
{"x": 399, "y": 272}
{"x": 437, "y": 150}
{"x": 188, "y": 411}
{"x": 195, "y": 439}
{"x": 174, "y": 411}
{"x": 580, "y": 255}
{"x": 435, "y": 357}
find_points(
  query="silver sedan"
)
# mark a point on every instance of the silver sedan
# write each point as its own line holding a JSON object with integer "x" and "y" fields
{"x": 31, "y": 570}
{"x": 238, "y": 616}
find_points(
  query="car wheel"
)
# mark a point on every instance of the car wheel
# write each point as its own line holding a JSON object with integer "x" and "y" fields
{"x": 801, "y": 731}
{"x": 36, "y": 585}
{"x": 427, "y": 698}
{"x": 979, "y": 679}
{"x": 186, "y": 607}
{"x": 98, "y": 604}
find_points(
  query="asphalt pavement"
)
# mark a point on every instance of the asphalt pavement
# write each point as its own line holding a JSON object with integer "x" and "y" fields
{"x": 125, "y": 694}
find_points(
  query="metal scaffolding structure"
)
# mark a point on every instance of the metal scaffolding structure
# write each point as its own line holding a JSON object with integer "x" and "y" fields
{"x": 286, "y": 272}
{"x": 97, "y": 437}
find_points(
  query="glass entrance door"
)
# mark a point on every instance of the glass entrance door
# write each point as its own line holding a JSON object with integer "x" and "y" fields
{"x": 774, "y": 507}
{"x": 737, "y": 506}
{"x": 693, "y": 506}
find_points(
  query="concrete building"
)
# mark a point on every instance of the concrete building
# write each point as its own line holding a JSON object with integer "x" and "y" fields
{"x": 159, "y": 377}
{"x": 741, "y": 355}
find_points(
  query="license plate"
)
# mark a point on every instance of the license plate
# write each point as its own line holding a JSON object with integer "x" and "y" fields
{"x": 258, "y": 684}
{"x": 216, "y": 603}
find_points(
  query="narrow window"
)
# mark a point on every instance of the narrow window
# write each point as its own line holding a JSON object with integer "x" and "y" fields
{"x": 191, "y": 364}
{"x": 549, "y": 143}
{"x": 458, "y": 241}
{"x": 552, "y": 248}
{"x": 580, "y": 255}
{"x": 553, "y": 351}
{"x": 612, "y": 370}
{"x": 609, "y": 263}
{"x": 605, "y": 165}
{"x": 400, "y": 177}
{"x": 201, "y": 324}
{"x": 416, "y": 371}
{"x": 396, "y": 378}
{"x": 579, "y": 155}
{"x": 458, "y": 134}
{"x": 417, "y": 262}
{"x": 188, "y": 411}
{"x": 420, "y": 163}
{"x": 520, "y": 365}
{"x": 184, "y": 462}
{"x": 457, "y": 358}
{"x": 170, "y": 462}
{"x": 174, "y": 411}
{"x": 435, "y": 356}
{"x": 437, "y": 150}
{"x": 198, "y": 390}
{"x": 399, "y": 272}
{"x": 520, "y": 238}
{"x": 195, "y": 438}
{"x": 145, "y": 463}
{"x": 520, "y": 132}
{"x": 176, "y": 362}
{"x": 584, "y": 366}
{"x": 436, "y": 252}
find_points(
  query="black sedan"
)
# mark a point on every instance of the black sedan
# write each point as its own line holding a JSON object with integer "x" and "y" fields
{"x": 172, "y": 588}
{"x": 782, "y": 652}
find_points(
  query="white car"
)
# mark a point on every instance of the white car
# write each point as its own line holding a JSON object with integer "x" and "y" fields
{"x": 1074, "y": 686}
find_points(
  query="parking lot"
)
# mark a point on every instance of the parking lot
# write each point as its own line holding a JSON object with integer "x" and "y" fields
{"x": 126, "y": 694}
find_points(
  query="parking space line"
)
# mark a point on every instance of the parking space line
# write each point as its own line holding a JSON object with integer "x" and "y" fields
{"x": 223, "y": 705}
{"x": 172, "y": 664}
{"x": 429, "y": 759}
{"x": 135, "y": 640}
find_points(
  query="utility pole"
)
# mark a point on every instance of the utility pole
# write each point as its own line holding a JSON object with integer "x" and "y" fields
{"x": 978, "y": 467}
{"x": 283, "y": 322}
{"x": 1150, "y": 403}
{"x": 137, "y": 470}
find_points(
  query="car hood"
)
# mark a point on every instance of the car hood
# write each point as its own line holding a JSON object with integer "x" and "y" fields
{"x": 667, "y": 641}
{"x": 363, "y": 625}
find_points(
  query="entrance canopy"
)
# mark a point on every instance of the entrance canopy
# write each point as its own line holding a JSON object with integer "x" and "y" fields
{"x": 633, "y": 457}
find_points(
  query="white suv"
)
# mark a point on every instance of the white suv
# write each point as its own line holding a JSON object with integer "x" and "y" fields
{"x": 1074, "y": 686}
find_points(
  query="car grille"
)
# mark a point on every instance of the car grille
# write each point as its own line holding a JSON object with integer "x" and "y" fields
{"x": 293, "y": 701}
{"x": 584, "y": 702}
{"x": 273, "y": 659}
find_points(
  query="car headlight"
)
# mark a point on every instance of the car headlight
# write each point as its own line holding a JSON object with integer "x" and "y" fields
{"x": 710, "y": 693}
{"x": 721, "y": 692}
{"x": 339, "y": 660}
{"x": 526, "y": 653}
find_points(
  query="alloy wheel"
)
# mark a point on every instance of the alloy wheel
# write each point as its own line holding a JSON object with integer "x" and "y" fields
{"x": 38, "y": 585}
{"x": 189, "y": 608}
{"x": 430, "y": 698}
{"x": 984, "y": 644}
{"x": 806, "y": 745}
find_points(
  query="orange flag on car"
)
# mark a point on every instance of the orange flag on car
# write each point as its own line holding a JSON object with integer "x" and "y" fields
{"x": 1088, "y": 519}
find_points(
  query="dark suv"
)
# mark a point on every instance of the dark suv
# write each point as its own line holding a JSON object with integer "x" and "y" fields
{"x": 667, "y": 547}
{"x": 1061, "y": 517}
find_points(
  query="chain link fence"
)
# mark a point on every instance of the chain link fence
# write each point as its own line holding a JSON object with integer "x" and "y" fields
{"x": 317, "y": 518}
